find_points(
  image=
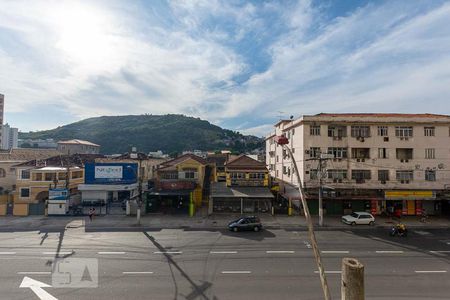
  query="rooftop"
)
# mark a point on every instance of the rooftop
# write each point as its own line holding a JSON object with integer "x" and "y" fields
{"x": 27, "y": 154}
{"x": 78, "y": 142}
{"x": 381, "y": 115}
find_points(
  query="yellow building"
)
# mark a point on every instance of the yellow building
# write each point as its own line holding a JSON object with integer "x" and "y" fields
{"x": 178, "y": 180}
{"x": 36, "y": 177}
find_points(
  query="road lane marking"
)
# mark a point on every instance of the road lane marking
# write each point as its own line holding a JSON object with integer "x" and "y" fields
{"x": 168, "y": 252}
{"x": 7, "y": 253}
{"x": 110, "y": 253}
{"x": 34, "y": 273}
{"x": 439, "y": 251}
{"x": 236, "y": 272}
{"x": 389, "y": 251}
{"x": 329, "y": 272}
{"x": 438, "y": 271}
{"x": 223, "y": 252}
{"x": 336, "y": 252}
{"x": 280, "y": 252}
{"x": 136, "y": 273}
{"x": 58, "y": 253}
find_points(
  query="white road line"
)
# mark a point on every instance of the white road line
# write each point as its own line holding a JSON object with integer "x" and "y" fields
{"x": 136, "y": 273}
{"x": 439, "y": 271}
{"x": 389, "y": 251}
{"x": 329, "y": 272}
{"x": 236, "y": 272}
{"x": 280, "y": 252}
{"x": 223, "y": 252}
{"x": 34, "y": 273}
{"x": 59, "y": 253}
{"x": 336, "y": 252}
{"x": 7, "y": 253}
{"x": 439, "y": 251}
{"x": 168, "y": 252}
{"x": 110, "y": 253}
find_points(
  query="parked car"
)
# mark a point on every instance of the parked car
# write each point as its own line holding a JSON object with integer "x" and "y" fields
{"x": 245, "y": 223}
{"x": 357, "y": 218}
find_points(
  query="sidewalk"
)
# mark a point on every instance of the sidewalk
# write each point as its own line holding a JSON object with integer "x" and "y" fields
{"x": 214, "y": 222}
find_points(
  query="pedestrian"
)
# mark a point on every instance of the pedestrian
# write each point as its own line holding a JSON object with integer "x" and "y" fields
{"x": 91, "y": 214}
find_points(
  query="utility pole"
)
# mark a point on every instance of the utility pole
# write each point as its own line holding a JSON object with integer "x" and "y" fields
{"x": 138, "y": 213}
{"x": 283, "y": 141}
{"x": 321, "y": 172}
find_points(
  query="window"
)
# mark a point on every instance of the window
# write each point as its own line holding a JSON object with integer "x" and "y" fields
{"x": 338, "y": 152}
{"x": 77, "y": 174}
{"x": 430, "y": 175}
{"x": 360, "y": 153}
{"x": 337, "y": 174}
{"x": 405, "y": 176}
{"x": 430, "y": 153}
{"x": 237, "y": 175}
{"x": 314, "y": 152}
{"x": 382, "y": 131}
{"x": 24, "y": 192}
{"x": 62, "y": 176}
{"x": 189, "y": 175}
{"x": 360, "y": 131}
{"x": 25, "y": 174}
{"x": 38, "y": 176}
{"x": 257, "y": 175}
{"x": 169, "y": 175}
{"x": 284, "y": 170}
{"x": 277, "y": 158}
{"x": 314, "y": 130}
{"x": 361, "y": 175}
{"x": 429, "y": 131}
{"x": 313, "y": 174}
{"x": 337, "y": 131}
{"x": 382, "y": 153}
{"x": 404, "y": 154}
{"x": 50, "y": 176}
{"x": 2, "y": 172}
{"x": 293, "y": 132}
{"x": 403, "y": 131}
{"x": 383, "y": 175}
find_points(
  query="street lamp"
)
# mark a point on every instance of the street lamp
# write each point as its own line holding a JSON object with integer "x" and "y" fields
{"x": 283, "y": 141}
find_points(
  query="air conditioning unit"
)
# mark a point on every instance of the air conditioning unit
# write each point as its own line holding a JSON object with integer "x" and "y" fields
{"x": 339, "y": 159}
{"x": 360, "y": 181}
{"x": 340, "y": 180}
{"x": 406, "y": 181}
{"x": 335, "y": 180}
{"x": 307, "y": 152}
{"x": 386, "y": 139}
{"x": 361, "y": 139}
{"x": 406, "y": 160}
{"x": 402, "y": 181}
{"x": 383, "y": 181}
{"x": 358, "y": 160}
{"x": 401, "y": 138}
{"x": 402, "y": 160}
{"x": 363, "y": 160}
{"x": 406, "y": 139}
{"x": 335, "y": 138}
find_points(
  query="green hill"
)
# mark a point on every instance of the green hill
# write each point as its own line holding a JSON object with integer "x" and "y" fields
{"x": 169, "y": 133}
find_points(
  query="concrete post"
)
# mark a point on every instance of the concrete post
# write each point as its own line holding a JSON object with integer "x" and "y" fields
{"x": 352, "y": 283}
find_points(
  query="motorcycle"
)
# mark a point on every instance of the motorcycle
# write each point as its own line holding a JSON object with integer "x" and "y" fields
{"x": 399, "y": 230}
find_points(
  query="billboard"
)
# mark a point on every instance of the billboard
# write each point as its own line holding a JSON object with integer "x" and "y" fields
{"x": 57, "y": 194}
{"x": 110, "y": 173}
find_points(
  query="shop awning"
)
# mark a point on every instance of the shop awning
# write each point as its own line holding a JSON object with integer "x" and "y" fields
{"x": 220, "y": 190}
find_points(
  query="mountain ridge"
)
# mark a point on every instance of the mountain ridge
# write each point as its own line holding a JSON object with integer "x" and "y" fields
{"x": 170, "y": 133}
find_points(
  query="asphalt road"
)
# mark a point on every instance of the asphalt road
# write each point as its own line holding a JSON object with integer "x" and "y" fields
{"x": 179, "y": 264}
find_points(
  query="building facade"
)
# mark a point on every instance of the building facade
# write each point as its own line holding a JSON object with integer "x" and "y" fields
{"x": 382, "y": 163}
{"x": 9, "y": 137}
{"x": 78, "y": 147}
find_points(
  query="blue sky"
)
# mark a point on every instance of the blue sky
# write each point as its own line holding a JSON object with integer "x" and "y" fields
{"x": 238, "y": 64}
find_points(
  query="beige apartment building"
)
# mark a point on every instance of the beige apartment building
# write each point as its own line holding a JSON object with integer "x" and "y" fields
{"x": 381, "y": 163}
{"x": 71, "y": 147}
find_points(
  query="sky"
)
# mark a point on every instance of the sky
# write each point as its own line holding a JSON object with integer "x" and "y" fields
{"x": 241, "y": 65}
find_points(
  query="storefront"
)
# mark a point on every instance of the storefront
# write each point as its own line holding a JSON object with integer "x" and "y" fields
{"x": 240, "y": 200}
{"x": 409, "y": 203}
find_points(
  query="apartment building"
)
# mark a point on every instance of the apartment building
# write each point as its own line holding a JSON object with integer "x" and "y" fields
{"x": 9, "y": 137}
{"x": 78, "y": 147}
{"x": 380, "y": 163}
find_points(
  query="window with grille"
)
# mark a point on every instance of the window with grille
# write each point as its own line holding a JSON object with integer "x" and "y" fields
{"x": 404, "y": 131}
{"x": 237, "y": 175}
{"x": 24, "y": 192}
{"x": 405, "y": 175}
{"x": 313, "y": 174}
{"x": 25, "y": 174}
{"x": 361, "y": 175}
{"x": 314, "y": 151}
{"x": 430, "y": 153}
{"x": 382, "y": 153}
{"x": 337, "y": 131}
{"x": 382, "y": 131}
{"x": 360, "y": 131}
{"x": 314, "y": 130}
{"x": 338, "y": 152}
{"x": 429, "y": 131}
{"x": 337, "y": 174}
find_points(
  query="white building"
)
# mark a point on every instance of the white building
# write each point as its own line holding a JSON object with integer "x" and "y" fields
{"x": 382, "y": 162}
{"x": 9, "y": 137}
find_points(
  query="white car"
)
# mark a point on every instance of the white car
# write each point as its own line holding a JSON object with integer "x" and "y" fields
{"x": 359, "y": 218}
